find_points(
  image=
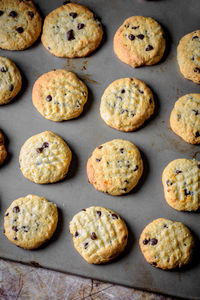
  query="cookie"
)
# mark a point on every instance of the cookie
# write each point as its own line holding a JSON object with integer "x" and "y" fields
{"x": 20, "y": 24}
{"x": 166, "y": 244}
{"x": 188, "y": 56}
{"x": 115, "y": 167}
{"x": 181, "y": 182}
{"x": 126, "y": 104}
{"x": 10, "y": 79}
{"x": 139, "y": 41}
{"x": 99, "y": 234}
{"x": 185, "y": 118}
{"x": 45, "y": 158}
{"x": 59, "y": 95}
{"x": 3, "y": 152}
{"x": 71, "y": 31}
{"x": 30, "y": 221}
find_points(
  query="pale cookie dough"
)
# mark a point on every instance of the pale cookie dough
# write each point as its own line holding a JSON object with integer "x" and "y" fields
{"x": 30, "y": 221}
{"x": 59, "y": 95}
{"x": 99, "y": 234}
{"x": 126, "y": 104}
{"x": 166, "y": 244}
{"x": 139, "y": 41}
{"x": 71, "y": 31}
{"x": 45, "y": 158}
{"x": 115, "y": 167}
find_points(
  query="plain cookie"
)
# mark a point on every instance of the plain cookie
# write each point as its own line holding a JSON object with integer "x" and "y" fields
{"x": 20, "y": 24}
{"x": 45, "y": 158}
{"x": 10, "y": 80}
{"x": 30, "y": 221}
{"x": 185, "y": 118}
{"x": 115, "y": 167}
{"x": 99, "y": 234}
{"x": 188, "y": 56}
{"x": 71, "y": 31}
{"x": 139, "y": 41}
{"x": 126, "y": 104}
{"x": 59, "y": 95}
{"x": 166, "y": 244}
{"x": 3, "y": 152}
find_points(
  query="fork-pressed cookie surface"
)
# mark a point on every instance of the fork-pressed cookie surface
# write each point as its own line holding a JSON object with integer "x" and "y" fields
{"x": 115, "y": 167}
{"x": 3, "y": 152}
{"x": 10, "y": 80}
{"x": 188, "y": 56}
{"x": 139, "y": 41}
{"x": 45, "y": 158}
{"x": 166, "y": 244}
{"x": 181, "y": 182}
{"x": 99, "y": 234}
{"x": 71, "y": 31}
{"x": 30, "y": 221}
{"x": 20, "y": 24}
{"x": 126, "y": 104}
{"x": 59, "y": 95}
{"x": 185, "y": 118}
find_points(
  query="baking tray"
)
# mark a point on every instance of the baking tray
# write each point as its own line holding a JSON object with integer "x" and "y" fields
{"x": 158, "y": 144}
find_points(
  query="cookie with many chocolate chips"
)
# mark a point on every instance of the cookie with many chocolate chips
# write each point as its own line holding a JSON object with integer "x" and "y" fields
{"x": 10, "y": 80}
{"x": 181, "y": 182}
{"x": 99, "y": 234}
{"x": 30, "y": 221}
{"x": 20, "y": 24}
{"x": 185, "y": 118}
{"x": 139, "y": 41}
{"x": 126, "y": 104}
{"x": 188, "y": 56}
{"x": 166, "y": 244}
{"x": 115, "y": 167}
{"x": 45, "y": 158}
{"x": 3, "y": 152}
{"x": 71, "y": 31}
{"x": 59, "y": 95}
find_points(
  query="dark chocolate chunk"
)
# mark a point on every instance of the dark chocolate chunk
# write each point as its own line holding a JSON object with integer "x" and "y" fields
{"x": 153, "y": 242}
{"x": 141, "y": 92}
{"x": 1, "y": 13}
{"x": 154, "y": 264}
{"x": 135, "y": 27}
{"x": 3, "y": 70}
{"x": 93, "y": 236}
{"x": 198, "y": 166}
{"x": 45, "y": 145}
{"x": 98, "y": 159}
{"x": 25, "y": 228}
{"x": 124, "y": 110}
{"x": 197, "y": 70}
{"x": 99, "y": 213}
{"x": 85, "y": 245}
{"x": 15, "y": 228}
{"x": 11, "y": 87}
{"x": 16, "y": 209}
{"x": 15, "y": 238}
{"x": 131, "y": 37}
{"x": 76, "y": 234}
{"x": 6, "y": 214}
{"x": 83, "y": 209}
{"x": 165, "y": 226}
{"x": 195, "y": 112}
{"x": 149, "y": 48}
{"x": 49, "y": 48}
{"x": 48, "y": 98}
{"x": 179, "y": 171}
{"x": 70, "y": 35}
{"x": 197, "y": 134}
{"x": 80, "y": 26}
{"x": 136, "y": 168}
{"x": 145, "y": 241}
{"x": 192, "y": 58}
{"x": 100, "y": 147}
{"x": 39, "y": 150}
{"x": 66, "y": 2}
{"x": 97, "y": 18}
{"x": 124, "y": 189}
{"x": 20, "y": 29}
{"x": 123, "y": 91}
{"x": 114, "y": 216}
{"x": 31, "y": 14}
{"x": 195, "y": 37}
{"x": 140, "y": 36}
{"x": 73, "y": 14}
{"x": 178, "y": 117}
{"x": 121, "y": 150}
{"x": 126, "y": 181}
{"x": 12, "y": 14}
{"x": 150, "y": 100}
{"x": 187, "y": 193}
{"x": 168, "y": 182}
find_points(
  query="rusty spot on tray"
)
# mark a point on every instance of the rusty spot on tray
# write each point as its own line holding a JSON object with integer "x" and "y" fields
{"x": 34, "y": 263}
{"x": 69, "y": 65}
{"x": 196, "y": 155}
{"x": 87, "y": 78}
{"x": 84, "y": 65}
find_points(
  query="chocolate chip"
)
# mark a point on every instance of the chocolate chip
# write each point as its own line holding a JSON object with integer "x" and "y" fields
{"x": 80, "y": 26}
{"x": 1, "y": 13}
{"x": 83, "y": 209}
{"x": 168, "y": 182}
{"x": 179, "y": 171}
{"x": 12, "y": 14}
{"x": 15, "y": 228}
{"x": 31, "y": 14}
{"x": 15, "y": 238}
{"x": 11, "y": 87}
{"x": 73, "y": 15}
{"x": 66, "y": 2}
{"x": 123, "y": 91}
{"x": 70, "y": 35}
{"x": 197, "y": 70}
{"x": 20, "y": 29}
{"x": 6, "y": 214}
{"x": 153, "y": 242}
{"x": 135, "y": 27}
{"x": 39, "y": 150}
{"x": 49, "y": 48}
{"x": 100, "y": 147}
{"x": 126, "y": 181}
{"x": 96, "y": 18}
{"x": 124, "y": 110}
{"x": 136, "y": 168}
{"x": 99, "y": 213}
{"x": 140, "y": 36}
{"x": 16, "y": 209}
{"x": 85, "y": 245}
{"x": 154, "y": 264}
{"x": 195, "y": 37}
{"x": 197, "y": 134}
{"x": 145, "y": 241}
{"x": 124, "y": 189}
{"x": 178, "y": 117}
{"x": 93, "y": 236}
{"x": 76, "y": 234}
{"x": 187, "y": 193}
{"x": 3, "y": 70}
{"x": 114, "y": 216}
{"x": 149, "y": 48}
{"x": 48, "y": 98}
{"x": 192, "y": 58}
{"x": 25, "y": 228}
{"x": 126, "y": 25}
{"x": 131, "y": 37}
{"x": 98, "y": 159}
{"x": 195, "y": 112}
{"x": 165, "y": 226}
{"x": 121, "y": 150}
{"x": 141, "y": 92}
{"x": 150, "y": 100}
{"x": 45, "y": 145}
{"x": 198, "y": 166}
{"x": 132, "y": 114}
